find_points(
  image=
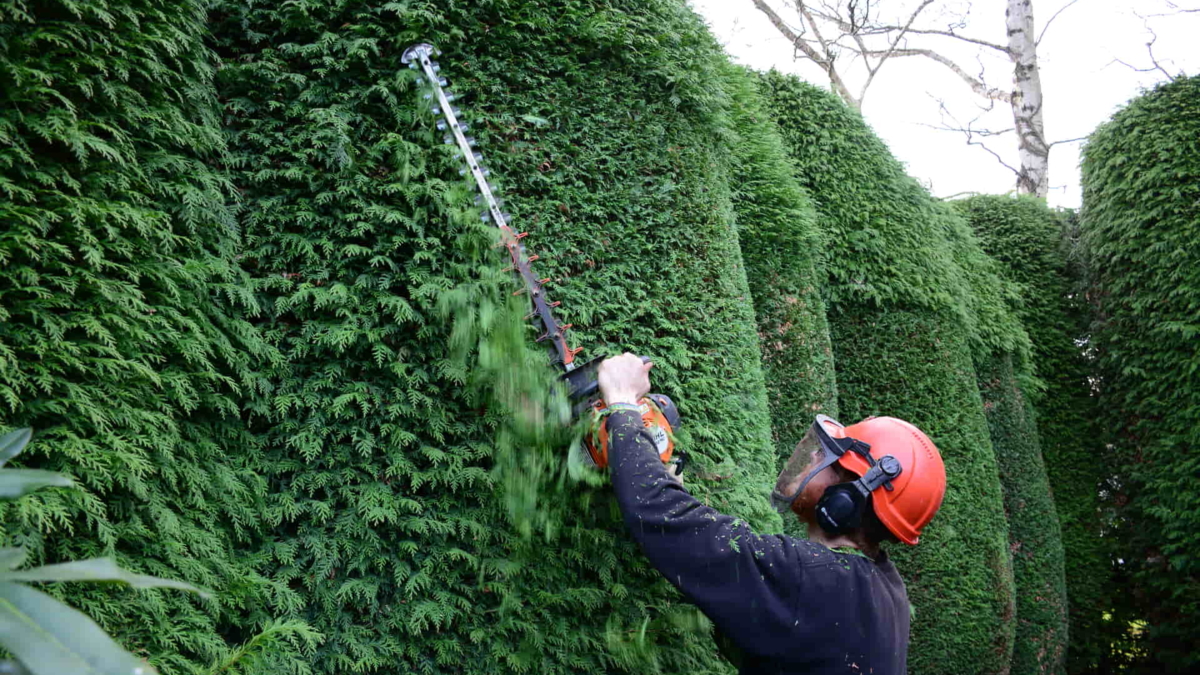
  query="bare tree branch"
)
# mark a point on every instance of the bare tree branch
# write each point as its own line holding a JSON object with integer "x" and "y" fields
{"x": 977, "y": 86}
{"x": 1150, "y": 51}
{"x": 1177, "y": 9}
{"x": 971, "y": 133}
{"x": 885, "y": 28}
{"x": 1068, "y": 140}
{"x": 829, "y": 31}
{"x": 1046, "y": 27}
{"x": 964, "y": 38}
{"x": 824, "y": 61}
{"x": 1154, "y": 64}
{"x": 871, "y": 72}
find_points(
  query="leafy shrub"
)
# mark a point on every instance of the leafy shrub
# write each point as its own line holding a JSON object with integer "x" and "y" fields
{"x": 903, "y": 320}
{"x": 782, "y": 249}
{"x": 608, "y": 129}
{"x": 1030, "y": 241}
{"x": 117, "y": 336}
{"x": 1140, "y": 224}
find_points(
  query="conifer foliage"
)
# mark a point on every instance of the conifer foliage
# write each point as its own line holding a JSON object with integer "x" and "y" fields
{"x": 1004, "y": 368}
{"x": 1140, "y": 224}
{"x": 782, "y": 248}
{"x": 607, "y": 136}
{"x": 1031, "y": 244}
{"x": 116, "y": 340}
{"x": 902, "y": 321}
{"x": 1034, "y": 534}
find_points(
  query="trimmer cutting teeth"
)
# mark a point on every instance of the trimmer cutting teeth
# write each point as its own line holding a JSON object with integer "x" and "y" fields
{"x": 659, "y": 413}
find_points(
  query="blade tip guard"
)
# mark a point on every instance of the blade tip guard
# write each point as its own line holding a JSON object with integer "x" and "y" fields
{"x": 414, "y": 52}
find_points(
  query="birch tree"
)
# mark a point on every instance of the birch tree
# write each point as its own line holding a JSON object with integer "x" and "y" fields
{"x": 838, "y": 34}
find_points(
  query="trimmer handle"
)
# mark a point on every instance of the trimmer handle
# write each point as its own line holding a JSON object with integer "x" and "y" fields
{"x": 660, "y": 416}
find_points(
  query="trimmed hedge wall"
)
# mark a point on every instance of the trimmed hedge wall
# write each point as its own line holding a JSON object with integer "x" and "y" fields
{"x": 1034, "y": 535}
{"x": 118, "y": 344}
{"x": 1029, "y": 241}
{"x": 609, "y": 131}
{"x": 902, "y": 326}
{"x": 1003, "y": 365}
{"x": 1140, "y": 225}
{"x": 782, "y": 248}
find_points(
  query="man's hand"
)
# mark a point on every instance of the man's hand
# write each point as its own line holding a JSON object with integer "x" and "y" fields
{"x": 624, "y": 379}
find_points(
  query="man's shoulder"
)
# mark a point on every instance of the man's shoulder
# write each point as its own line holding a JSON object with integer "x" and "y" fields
{"x": 809, "y": 553}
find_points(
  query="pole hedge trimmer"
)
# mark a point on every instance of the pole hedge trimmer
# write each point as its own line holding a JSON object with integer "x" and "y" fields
{"x": 659, "y": 414}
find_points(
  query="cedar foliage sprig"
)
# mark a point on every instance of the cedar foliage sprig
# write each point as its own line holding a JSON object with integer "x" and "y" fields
{"x": 46, "y": 636}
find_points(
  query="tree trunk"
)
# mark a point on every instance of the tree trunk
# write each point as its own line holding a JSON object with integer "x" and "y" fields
{"x": 1034, "y": 176}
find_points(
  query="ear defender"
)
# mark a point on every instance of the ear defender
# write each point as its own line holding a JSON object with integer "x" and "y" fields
{"x": 841, "y": 508}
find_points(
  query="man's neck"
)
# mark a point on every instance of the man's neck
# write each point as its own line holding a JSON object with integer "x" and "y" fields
{"x": 815, "y": 533}
{"x": 820, "y": 536}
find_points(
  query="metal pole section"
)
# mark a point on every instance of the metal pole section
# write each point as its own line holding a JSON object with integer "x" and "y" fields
{"x": 421, "y": 55}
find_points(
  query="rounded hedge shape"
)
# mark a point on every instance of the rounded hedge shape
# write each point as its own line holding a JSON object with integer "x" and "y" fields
{"x": 1140, "y": 225}
{"x": 1002, "y": 362}
{"x": 607, "y": 128}
{"x": 900, "y": 311}
{"x": 1034, "y": 534}
{"x": 781, "y": 247}
{"x": 1030, "y": 242}
{"x": 117, "y": 344}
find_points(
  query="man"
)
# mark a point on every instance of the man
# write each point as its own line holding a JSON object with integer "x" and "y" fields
{"x": 831, "y": 604}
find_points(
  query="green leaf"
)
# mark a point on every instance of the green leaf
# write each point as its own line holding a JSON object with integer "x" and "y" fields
{"x": 11, "y": 558}
{"x": 99, "y": 570}
{"x": 50, "y": 638}
{"x": 12, "y": 443}
{"x": 15, "y": 483}
{"x": 536, "y": 121}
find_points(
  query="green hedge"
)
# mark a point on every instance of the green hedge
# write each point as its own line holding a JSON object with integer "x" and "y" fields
{"x": 1034, "y": 534}
{"x": 782, "y": 248}
{"x": 1031, "y": 243}
{"x": 1004, "y": 368}
{"x": 1140, "y": 225}
{"x": 608, "y": 130}
{"x": 118, "y": 344}
{"x": 902, "y": 323}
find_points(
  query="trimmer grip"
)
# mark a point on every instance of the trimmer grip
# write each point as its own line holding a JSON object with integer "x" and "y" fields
{"x": 659, "y": 415}
{"x": 658, "y": 412}
{"x": 583, "y": 383}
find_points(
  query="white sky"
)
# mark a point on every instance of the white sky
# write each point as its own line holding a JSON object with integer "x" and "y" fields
{"x": 1082, "y": 84}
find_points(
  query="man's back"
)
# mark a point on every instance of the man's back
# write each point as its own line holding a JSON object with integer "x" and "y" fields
{"x": 852, "y": 616}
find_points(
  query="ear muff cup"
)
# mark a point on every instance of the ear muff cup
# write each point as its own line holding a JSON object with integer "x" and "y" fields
{"x": 841, "y": 508}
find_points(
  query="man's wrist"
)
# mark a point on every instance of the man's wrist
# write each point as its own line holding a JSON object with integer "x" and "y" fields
{"x": 621, "y": 397}
{"x": 621, "y": 406}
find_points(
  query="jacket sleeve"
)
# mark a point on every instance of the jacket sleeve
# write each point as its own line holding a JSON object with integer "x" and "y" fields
{"x": 746, "y": 584}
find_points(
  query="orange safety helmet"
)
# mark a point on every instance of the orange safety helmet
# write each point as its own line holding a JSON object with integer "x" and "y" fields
{"x": 917, "y": 493}
{"x": 896, "y": 464}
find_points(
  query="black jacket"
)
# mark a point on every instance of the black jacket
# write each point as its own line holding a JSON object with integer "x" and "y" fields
{"x": 789, "y": 605}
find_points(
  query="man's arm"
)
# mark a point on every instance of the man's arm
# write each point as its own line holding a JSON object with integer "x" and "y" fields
{"x": 747, "y": 584}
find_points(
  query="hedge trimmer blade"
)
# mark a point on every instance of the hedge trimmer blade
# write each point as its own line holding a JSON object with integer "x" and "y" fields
{"x": 419, "y": 57}
{"x": 659, "y": 413}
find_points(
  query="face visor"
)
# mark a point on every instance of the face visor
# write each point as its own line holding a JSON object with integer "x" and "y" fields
{"x": 828, "y": 449}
